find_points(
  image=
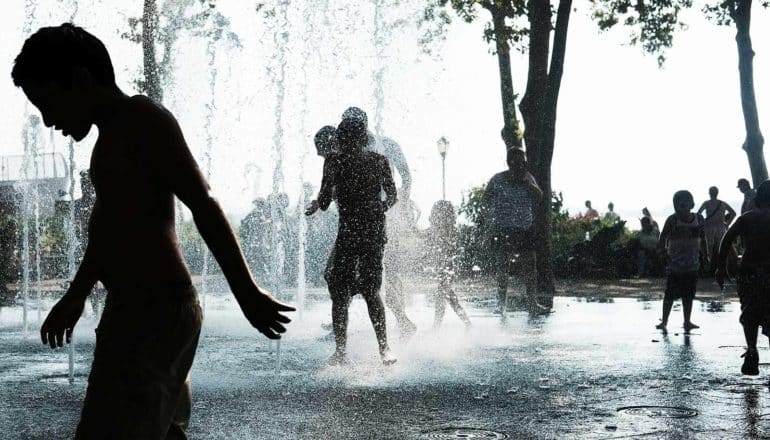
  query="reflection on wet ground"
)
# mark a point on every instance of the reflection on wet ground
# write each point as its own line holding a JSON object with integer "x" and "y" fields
{"x": 592, "y": 369}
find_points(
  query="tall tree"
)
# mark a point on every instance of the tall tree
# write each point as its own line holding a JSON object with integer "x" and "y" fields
{"x": 529, "y": 26}
{"x": 655, "y": 31}
{"x": 526, "y": 25}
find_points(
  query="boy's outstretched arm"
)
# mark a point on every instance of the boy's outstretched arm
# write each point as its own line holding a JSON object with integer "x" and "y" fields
{"x": 168, "y": 151}
{"x": 66, "y": 312}
{"x": 724, "y": 251}
{"x": 388, "y": 184}
{"x": 663, "y": 240}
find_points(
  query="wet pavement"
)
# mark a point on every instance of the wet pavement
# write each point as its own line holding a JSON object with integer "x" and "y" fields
{"x": 593, "y": 369}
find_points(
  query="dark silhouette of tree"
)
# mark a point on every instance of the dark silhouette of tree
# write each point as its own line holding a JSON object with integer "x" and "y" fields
{"x": 654, "y": 31}
{"x": 539, "y": 28}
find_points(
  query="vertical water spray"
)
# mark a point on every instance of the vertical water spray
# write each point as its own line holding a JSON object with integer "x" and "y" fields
{"x": 72, "y": 241}
{"x": 379, "y": 72}
{"x": 37, "y": 230}
{"x": 211, "y": 55}
{"x": 27, "y": 187}
{"x": 278, "y": 76}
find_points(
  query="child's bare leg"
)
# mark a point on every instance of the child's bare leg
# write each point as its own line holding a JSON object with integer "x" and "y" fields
{"x": 377, "y": 315}
{"x": 687, "y": 310}
{"x": 751, "y": 357}
{"x": 440, "y": 306}
{"x": 503, "y": 264}
{"x": 455, "y": 303}
{"x": 340, "y": 304}
{"x": 529, "y": 263}
{"x": 667, "y": 304}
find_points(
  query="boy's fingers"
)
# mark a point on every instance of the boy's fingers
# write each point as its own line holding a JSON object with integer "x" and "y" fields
{"x": 69, "y": 335}
{"x": 278, "y": 328}
{"x": 283, "y": 319}
{"x": 285, "y": 307}
{"x": 59, "y": 338}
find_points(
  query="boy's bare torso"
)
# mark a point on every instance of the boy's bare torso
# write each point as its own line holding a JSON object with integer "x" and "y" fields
{"x": 755, "y": 233}
{"x": 133, "y": 225}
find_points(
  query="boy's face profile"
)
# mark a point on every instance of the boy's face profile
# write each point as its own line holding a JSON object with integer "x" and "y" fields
{"x": 65, "y": 109}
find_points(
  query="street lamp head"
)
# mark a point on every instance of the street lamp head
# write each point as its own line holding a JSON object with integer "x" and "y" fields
{"x": 443, "y": 145}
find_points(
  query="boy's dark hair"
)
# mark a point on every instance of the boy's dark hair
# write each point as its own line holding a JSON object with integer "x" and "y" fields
{"x": 762, "y": 199}
{"x": 350, "y": 133}
{"x": 53, "y": 53}
{"x": 714, "y": 190}
{"x": 684, "y": 196}
{"x": 326, "y": 138}
{"x": 513, "y": 153}
{"x": 356, "y": 113}
{"x": 442, "y": 211}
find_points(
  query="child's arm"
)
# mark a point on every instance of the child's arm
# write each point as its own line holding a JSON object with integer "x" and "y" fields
{"x": 701, "y": 209}
{"x": 724, "y": 250}
{"x": 731, "y": 215}
{"x": 388, "y": 184}
{"x": 663, "y": 240}
{"x": 326, "y": 193}
{"x": 165, "y": 148}
{"x": 62, "y": 318}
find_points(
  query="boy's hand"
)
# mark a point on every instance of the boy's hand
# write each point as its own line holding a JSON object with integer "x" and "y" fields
{"x": 61, "y": 320}
{"x": 312, "y": 208}
{"x": 721, "y": 275}
{"x": 263, "y": 312}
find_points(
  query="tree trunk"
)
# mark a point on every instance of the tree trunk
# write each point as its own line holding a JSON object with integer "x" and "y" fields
{"x": 510, "y": 121}
{"x": 545, "y": 159}
{"x": 754, "y": 143}
{"x": 533, "y": 111}
{"x": 152, "y": 84}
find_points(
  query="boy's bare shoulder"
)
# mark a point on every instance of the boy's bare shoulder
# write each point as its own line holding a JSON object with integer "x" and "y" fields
{"x": 144, "y": 110}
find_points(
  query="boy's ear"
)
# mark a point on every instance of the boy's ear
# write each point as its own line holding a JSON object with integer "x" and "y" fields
{"x": 81, "y": 78}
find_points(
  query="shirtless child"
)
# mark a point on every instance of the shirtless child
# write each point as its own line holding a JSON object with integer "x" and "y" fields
{"x": 357, "y": 177}
{"x": 753, "y": 228}
{"x": 148, "y": 333}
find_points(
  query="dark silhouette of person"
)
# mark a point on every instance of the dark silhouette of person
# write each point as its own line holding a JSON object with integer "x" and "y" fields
{"x": 357, "y": 177}
{"x": 682, "y": 243}
{"x": 718, "y": 216}
{"x": 401, "y": 222}
{"x": 146, "y": 340}
{"x": 753, "y": 278}
{"x": 441, "y": 251}
{"x": 646, "y": 248}
{"x": 748, "y": 195}
{"x": 254, "y": 235}
{"x": 507, "y": 217}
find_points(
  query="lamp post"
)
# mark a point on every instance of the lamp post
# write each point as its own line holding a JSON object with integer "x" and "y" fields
{"x": 443, "y": 146}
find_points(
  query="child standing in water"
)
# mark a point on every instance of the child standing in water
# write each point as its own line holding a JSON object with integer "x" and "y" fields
{"x": 441, "y": 246}
{"x": 681, "y": 242}
{"x": 754, "y": 274}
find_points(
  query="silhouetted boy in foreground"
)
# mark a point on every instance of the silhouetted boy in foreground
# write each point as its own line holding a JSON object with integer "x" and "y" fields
{"x": 356, "y": 177}
{"x": 682, "y": 242}
{"x": 146, "y": 340}
{"x": 753, "y": 228}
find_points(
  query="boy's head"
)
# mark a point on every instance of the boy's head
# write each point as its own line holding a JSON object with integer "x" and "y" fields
{"x": 351, "y": 135}
{"x": 611, "y": 206}
{"x": 508, "y": 134}
{"x": 356, "y": 113}
{"x": 59, "y": 68}
{"x": 442, "y": 214}
{"x": 646, "y": 212}
{"x": 762, "y": 199}
{"x": 326, "y": 140}
{"x": 743, "y": 185}
{"x": 517, "y": 161}
{"x": 646, "y": 224}
{"x": 588, "y": 204}
{"x": 713, "y": 192}
{"x": 683, "y": 201}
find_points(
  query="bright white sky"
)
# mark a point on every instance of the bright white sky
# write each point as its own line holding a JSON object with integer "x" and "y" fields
{"x": 627, "y": 131}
